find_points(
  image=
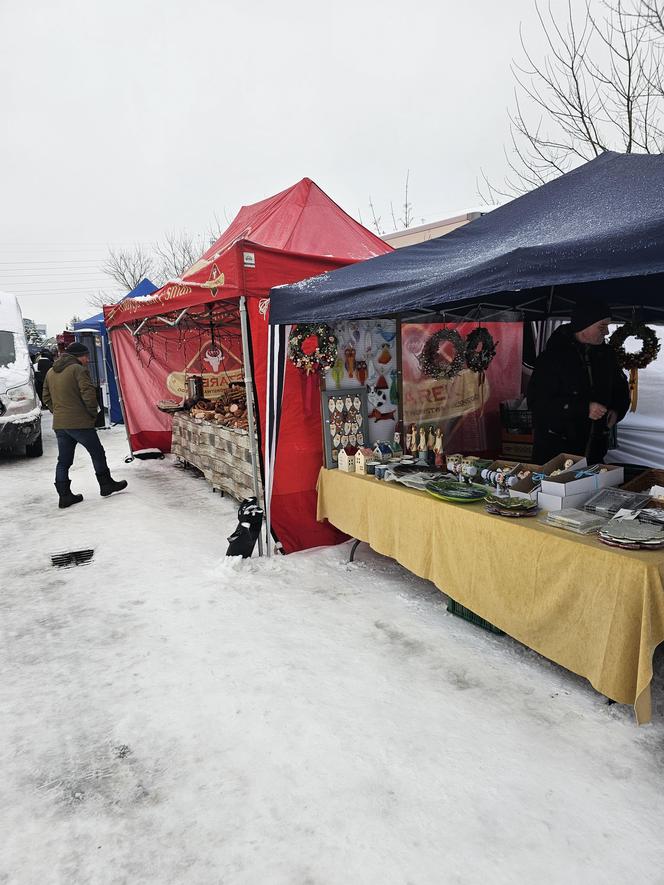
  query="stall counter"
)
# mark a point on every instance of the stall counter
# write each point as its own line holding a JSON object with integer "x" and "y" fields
{"x": 596, "y": 610}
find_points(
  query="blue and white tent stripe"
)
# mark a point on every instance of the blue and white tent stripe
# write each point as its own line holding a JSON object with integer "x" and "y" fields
{"x": 277, "y": 353}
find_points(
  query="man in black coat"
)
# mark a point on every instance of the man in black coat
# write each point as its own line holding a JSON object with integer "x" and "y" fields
{"x": 577, "y": 391}
{"x": 44, "y": 363}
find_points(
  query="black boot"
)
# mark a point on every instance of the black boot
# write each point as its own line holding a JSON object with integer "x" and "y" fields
{"x": 107, "y": 485}
{"x": 67, "y": 498}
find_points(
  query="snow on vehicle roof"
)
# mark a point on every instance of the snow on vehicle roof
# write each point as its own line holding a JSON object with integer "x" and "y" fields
{"x": 11, "y": 318}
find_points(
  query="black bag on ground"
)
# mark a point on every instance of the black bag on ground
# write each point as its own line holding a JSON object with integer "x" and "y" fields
{"x": 250, "y": 519}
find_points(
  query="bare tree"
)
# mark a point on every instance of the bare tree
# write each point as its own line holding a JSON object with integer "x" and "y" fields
{"x": 127, "y": 267}
{"x": 104, "y": 297}
{"x": 400, "y": 223}
{"x": 653, "y": 14}
{"x": 176, "y": 253}
{"x": 375, "y": 219}
{"x": 168, "y": 260}
{"x": 598, "y": 88}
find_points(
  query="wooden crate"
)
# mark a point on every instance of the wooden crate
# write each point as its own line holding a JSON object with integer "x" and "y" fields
{"x": 221, "y": 453}
{"x": 644, "y": 482}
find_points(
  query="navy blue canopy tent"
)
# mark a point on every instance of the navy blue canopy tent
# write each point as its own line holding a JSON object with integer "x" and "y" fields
{"x": 596, "y": 231}
{"x": 101, "y": 365}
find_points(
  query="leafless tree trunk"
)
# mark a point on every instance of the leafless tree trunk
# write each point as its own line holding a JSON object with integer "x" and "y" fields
{"x": 598, "y": 88}
{"x": 375, "y": 219}
{"x": 168, "y": 260}
{"x": 127, "y": 267}
{"x": 399, "y": 223}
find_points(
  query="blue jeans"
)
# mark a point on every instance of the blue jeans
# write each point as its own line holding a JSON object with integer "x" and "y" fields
{"x": 67, "y": 440}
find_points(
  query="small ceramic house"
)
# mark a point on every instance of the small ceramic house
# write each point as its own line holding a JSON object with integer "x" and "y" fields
{"x": 362, "y": 458}
{"x": 382, "y": 451}
{"x": 346, "y": 462}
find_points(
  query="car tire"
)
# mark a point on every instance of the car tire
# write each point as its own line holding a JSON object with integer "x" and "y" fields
{"x": 35, "y": 449}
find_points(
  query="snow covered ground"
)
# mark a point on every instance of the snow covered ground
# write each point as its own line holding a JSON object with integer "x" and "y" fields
{"x": 172, "y": 716}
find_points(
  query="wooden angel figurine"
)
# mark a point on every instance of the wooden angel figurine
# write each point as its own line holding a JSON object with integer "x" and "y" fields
{"x": 412, "y": 440}
{"x": 439, "y": 458}
{"x": 431, "y": 441}
{"x": 422, "y": 447}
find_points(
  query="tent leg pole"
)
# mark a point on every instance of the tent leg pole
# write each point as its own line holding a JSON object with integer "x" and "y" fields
{"x": 107, "y": 419}
{"x": 251, "y": 420}
{"x": 120, "y": 397}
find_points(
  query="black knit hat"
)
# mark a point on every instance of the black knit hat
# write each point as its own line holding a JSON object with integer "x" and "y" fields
{"x": 77, "y": 349}
{"x": 588, "y": 312}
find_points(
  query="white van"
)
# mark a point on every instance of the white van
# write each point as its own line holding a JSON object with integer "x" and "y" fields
{"x": 20, "y": 409}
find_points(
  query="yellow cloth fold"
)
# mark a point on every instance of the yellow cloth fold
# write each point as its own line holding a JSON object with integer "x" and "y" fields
{"x": 596, "y": 610}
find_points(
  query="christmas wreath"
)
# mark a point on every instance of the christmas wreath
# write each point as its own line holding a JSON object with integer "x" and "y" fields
{"x": 431, "y": 361}
{"x": 312, "y": 347}
{"x": 634, "y": 361}
{"x": 480, "y": 350}
{"x": 641, "y": 358}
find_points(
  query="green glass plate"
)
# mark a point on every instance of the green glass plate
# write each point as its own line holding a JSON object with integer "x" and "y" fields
{"x": 456, "y": 492}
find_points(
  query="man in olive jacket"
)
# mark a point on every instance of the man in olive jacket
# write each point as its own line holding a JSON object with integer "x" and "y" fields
{"x": 72, "y": 397}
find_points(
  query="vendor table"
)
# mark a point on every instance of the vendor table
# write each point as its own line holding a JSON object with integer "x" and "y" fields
{"x": 220, "y": 453}
{"x": 596, "y": 610}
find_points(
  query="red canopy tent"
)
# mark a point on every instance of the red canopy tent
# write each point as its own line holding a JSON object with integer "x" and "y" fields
{"x": 291, "y": 236}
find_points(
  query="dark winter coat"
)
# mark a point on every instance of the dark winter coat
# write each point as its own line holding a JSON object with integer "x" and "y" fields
{"x": 70, "y": 394}
{"x": 567, "y": 377}
{"x": 44, "y": 363}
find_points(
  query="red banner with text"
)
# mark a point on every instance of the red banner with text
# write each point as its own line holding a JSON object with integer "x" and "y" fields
{"x": 467, "y": 406}
{"x": 155, "y": 366}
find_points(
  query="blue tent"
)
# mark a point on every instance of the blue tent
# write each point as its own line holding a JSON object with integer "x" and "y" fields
{"x": 596, "y": 231}
{"x": 102, "y": 366}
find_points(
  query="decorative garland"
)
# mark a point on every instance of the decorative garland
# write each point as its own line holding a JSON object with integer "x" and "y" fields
{"x": 312, "y": 347}
{"x": 634, "y": 361}
{"x": 480, "y": 350}
{"x": 641, "y": 358}
{"x": 430, "y": 360}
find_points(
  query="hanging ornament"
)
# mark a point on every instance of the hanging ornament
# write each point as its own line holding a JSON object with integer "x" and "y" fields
{"x": 381, "y": 383}
{"x": 635, "y": 361}
{"x": 385, "y": 356}
{"x": 387, "y": 336}
{"x": 435, "y": 365}
{"x": 362, "y": 371}
{"x": 337, "y": 371}
{"x": 349, "y": 359}
{"x": 480, "y": 350}
{"x": 312, "y": 347}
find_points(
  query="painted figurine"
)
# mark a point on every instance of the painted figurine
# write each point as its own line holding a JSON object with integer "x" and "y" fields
{"x": 454, "y": 465}
{"x": 349, "y": 359}
{"x": 431, "y": 441}
{"x": 422, "y": 447}
{"x": 412, "y": 440}
{"x": 438, "y": 455}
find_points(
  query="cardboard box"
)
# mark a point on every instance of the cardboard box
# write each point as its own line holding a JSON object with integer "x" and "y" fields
{"x": 526, "y": 488}
{"x": 560, "y": 502}
{"x": 557, "y": 463}
{"x": 566, "y": 484}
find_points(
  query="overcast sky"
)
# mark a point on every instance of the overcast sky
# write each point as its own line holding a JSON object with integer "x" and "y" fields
{"x": 121, "y": 121}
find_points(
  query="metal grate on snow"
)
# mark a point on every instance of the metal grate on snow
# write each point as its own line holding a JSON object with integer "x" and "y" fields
{"x": 69, "y": 558}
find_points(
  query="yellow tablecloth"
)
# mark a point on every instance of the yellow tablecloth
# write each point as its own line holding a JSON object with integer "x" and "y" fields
{"x": 596, "y": 610}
